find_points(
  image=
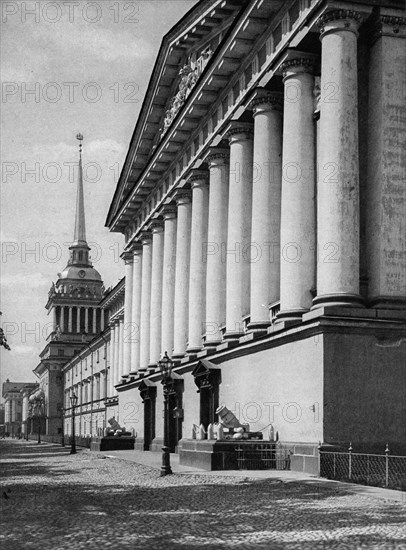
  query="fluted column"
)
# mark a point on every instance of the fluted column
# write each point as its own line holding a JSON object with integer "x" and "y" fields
{"x": 180, "y": 332}
{"x": 168, "y": 289}
{"x": 136, "y": 308}
{"x": 298, "y": 239}
{"x": 338, "y": 184}
{"x": 127, "y": 325}
{"x": 219, "y": 168}
{"x": 266, "y": 206}
{"x": 238, "y": 250}
{"x": 145, "y": 301}
{"x": 197, "y": 275}
{"x": 156, "y": 293}
{"x": 69, "y": 319}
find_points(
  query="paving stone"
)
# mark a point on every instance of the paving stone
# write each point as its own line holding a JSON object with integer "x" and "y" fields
{"x": 59, "y": 501}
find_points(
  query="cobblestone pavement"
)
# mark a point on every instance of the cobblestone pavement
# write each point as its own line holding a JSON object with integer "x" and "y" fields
{"x": 55, "y": 501}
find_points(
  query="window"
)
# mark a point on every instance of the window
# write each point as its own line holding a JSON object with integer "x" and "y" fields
{"x": 61, "y": 352}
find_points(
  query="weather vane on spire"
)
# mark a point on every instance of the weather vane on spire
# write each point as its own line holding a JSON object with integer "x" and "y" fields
{"x": 80, "y": 138}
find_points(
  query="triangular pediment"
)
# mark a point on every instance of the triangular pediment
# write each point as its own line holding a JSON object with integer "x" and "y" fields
{"x": 185, "y": 52}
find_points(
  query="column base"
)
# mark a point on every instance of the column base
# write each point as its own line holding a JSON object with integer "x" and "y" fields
{"x": 290, "y": 315}
{"x": 152, "y": 367}
{"x": 342, "y": 300}
{"x": 259, "y": 327}
{"x": 178, "y": 356}
{"x": 193, "y": 350}
{"x": 231, "y": 336}
{"x": 387, "y": 302}
{"x": 212, "y": 344}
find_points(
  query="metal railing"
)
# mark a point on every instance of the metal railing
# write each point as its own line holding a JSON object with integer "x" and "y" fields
{"x": 366, "y": 469}
{"x": 262, "y": 456}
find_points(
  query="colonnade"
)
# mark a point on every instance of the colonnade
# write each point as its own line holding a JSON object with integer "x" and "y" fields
{"x": 81, "y": 313}
{"x": 246, "y": 232}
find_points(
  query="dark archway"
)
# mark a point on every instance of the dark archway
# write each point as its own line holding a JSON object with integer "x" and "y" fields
{"x": 208, "y": 379}
{"x": 174, "y": 389}
{"x": 147, "y": 391}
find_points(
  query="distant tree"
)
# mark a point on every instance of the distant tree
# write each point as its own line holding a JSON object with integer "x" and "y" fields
{"x": 3, "y": 339}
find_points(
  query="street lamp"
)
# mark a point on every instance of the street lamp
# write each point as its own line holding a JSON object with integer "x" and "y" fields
{"x": 73, "y": 401}
{"x": 38, "y": 409}
{"x": 165, "y": 366}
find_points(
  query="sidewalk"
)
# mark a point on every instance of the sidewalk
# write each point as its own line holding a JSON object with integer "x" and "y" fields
{"x": 154, "y": 460}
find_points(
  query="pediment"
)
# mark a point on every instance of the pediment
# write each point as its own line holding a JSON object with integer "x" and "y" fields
{"x": 185, "y": 52}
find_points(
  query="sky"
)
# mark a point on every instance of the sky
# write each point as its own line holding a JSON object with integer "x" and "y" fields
{"x": 66, "y": 67}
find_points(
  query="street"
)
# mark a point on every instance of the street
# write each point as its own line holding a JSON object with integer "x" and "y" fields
{"x": 54, "y": 500}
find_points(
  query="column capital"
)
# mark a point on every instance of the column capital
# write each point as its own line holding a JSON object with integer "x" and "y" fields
{"x": 127, "y": 257}
{"x": 182, "y": 196}
{"x": 339, "y": 20}
{"x": 169, "y": 211}
{"x": 156, "y": 226}
{"x": 298, "y": 63}
{"x": 245, "y": 130}
{"x": 265, "y": 100}
{"x": 146, "y": 237}
{"x": 387, "y": 25}
{"x": 218, "y": 155}
{"x": 198, "y": 177}
{"x": 136, "y": 248}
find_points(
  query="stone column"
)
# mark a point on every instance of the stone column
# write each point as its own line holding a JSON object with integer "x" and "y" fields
{"x": 136, "y": 308}
{"x": 145, "y": 301}
{"x": 121, "y": 347}
{"x": 266, "y": 206}
{"x": 62, "y": 319}
{"x": 219, "y": 168}
{"x": 385, "y": 197}
{"x": 116, "y": 351}
{"x": 238, "y": 249}
{"x": 78, "y": 319}
{"x": 87, "y": 320}
{"x": 102, "y": 320}
{"x": 197, "y": 275}
{"x": 180, "y": 332}
{"x": 112, "y": 358}
{"x": 69, "y": 319}
{"x": 94, "y": 318}
{"x": 54, "y": 319}
{"x": 298, "y": 239}
{"x": 127, "y": 323}
{"x": 338, "y": 183}
{"x": 156, "y": 293}
{"x": 168, "y": 289}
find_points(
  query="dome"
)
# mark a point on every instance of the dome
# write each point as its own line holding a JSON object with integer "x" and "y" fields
{"x": 81, "y": 273}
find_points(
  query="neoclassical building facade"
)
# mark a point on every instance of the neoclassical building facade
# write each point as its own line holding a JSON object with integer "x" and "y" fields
{"x": 263, "y": 205}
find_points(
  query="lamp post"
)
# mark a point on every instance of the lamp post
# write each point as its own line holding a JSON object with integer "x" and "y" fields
{"x": 38, "y": 408}
{"x": 73, "y": 401}
{"x": 165, "y": 366}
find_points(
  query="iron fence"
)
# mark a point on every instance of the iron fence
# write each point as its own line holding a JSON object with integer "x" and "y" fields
{"x": 365, "y": 469}
{"x": 262, "y": 456}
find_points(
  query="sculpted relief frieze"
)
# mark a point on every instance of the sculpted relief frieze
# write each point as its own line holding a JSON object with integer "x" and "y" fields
{"x": 189, "y": 75}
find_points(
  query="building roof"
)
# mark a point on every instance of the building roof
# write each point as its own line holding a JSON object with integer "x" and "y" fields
{"x": 13, "y": 386}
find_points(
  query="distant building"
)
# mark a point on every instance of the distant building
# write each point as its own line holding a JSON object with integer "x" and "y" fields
{"x": 13, "y": 406}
